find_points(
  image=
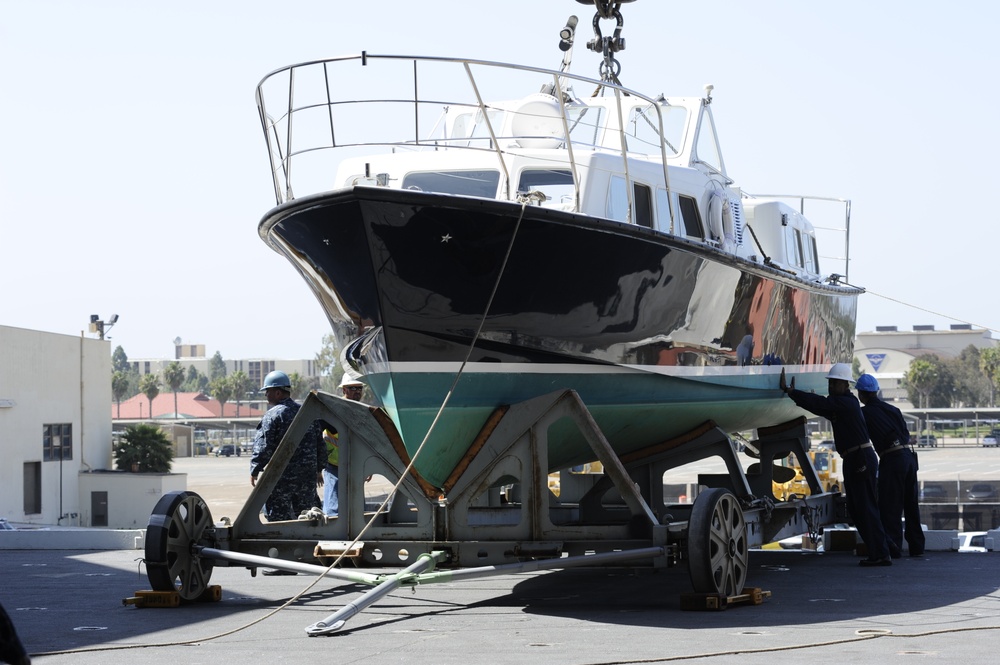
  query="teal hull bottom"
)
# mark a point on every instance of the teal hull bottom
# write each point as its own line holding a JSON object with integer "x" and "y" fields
{"x": 633, "y": 408}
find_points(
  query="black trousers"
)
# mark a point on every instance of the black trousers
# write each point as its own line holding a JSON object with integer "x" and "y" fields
{"x": 898, "y": 497}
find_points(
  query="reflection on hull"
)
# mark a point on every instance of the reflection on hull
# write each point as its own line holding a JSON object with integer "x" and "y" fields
{"x": 656, "y": 334}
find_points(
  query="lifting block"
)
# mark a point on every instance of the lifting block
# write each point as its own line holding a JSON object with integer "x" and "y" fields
{"x": 171, "y": 598}
{"x": 328, "y": 550}
{"x": 715, "y": 601}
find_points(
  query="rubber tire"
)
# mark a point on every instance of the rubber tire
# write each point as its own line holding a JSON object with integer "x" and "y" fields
{"x": 178, "y": 522}
{"x": 717, "y": 544}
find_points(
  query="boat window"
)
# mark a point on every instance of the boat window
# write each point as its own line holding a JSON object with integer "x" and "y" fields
{"x": 642, "y": 133}
{"x": 556, "y": 184}
{"x": 708, "y": 144}
{"x": 618, "y": 202}
{"x": 690, "y": 217}
{"x": 793, "y": 247}
{"x": 815, "y": 254}
{"x": 467, "y": 183}
{"x": 585, "y": 124}
{"x": 643, "y": 198}
{"x": 470, "y": 129}
{"x": 809, "y": 253}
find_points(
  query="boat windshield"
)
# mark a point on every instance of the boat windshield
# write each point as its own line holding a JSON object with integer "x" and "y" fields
{"x": 642, "y": 130}
{"x": 556, "y": 184}
{"x": 466, "y": 183}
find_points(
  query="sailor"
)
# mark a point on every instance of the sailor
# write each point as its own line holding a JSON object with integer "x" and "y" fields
{"x": 850, "y": 437}
{"x": 296, "y": 489}
{"x": 352, "y": 389}
{"x": 898, "y": 494}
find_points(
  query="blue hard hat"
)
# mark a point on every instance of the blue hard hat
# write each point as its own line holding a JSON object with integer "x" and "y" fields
{"x": 867, "y": 383}
{"x": 276, "y": 379}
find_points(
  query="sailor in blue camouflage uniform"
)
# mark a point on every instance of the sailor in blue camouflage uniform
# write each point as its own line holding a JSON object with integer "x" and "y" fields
{"x": 850, "y": 437}
{"x": 898, "y": 494}
{"x": 296, "y": 490}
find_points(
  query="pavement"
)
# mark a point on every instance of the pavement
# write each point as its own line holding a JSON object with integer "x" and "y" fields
{"x": 68, "y": 607}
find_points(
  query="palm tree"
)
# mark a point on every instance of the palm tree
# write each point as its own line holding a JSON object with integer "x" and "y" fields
{"x": 222, "y": 390}
{"x": 173, "y": 374}
{"x": 989, "y": 365}
{"x": 923, "y": 376}
{"x": 119, "y": 388}
{"x": 149, "y": 386}
{"x": 241, "y": 385}
{"x": 144, "y": 449}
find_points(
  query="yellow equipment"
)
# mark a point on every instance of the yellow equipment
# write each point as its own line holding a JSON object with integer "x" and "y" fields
{"x": 824, "y": 461}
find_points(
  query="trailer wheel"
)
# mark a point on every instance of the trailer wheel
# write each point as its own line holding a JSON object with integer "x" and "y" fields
{"x": 178, "y": 523}
{"x": 717, "y": 544}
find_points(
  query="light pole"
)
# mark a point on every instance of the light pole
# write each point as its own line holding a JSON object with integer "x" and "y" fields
{"x": 100, "y": 327}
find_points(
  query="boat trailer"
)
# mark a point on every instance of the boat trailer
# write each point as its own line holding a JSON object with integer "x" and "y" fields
{"x": 496, "y": 514}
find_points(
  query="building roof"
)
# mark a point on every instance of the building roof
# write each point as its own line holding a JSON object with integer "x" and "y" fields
{"x": 189, "y": 406}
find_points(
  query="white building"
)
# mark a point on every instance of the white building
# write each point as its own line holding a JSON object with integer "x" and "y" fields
{"x": 887, "y": 352}
{"x": 55, "y": 436}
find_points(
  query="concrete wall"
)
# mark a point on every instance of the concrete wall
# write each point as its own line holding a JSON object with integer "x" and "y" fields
{"x": 48, "y": 379}
{"x": 130, "y": 496}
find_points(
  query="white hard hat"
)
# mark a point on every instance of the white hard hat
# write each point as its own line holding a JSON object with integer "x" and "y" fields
{"x": 350, "y": 381}
{"x": 841, "y": 371}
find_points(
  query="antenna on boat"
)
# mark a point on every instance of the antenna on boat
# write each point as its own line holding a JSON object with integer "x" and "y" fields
{"x": 608, "y": 46}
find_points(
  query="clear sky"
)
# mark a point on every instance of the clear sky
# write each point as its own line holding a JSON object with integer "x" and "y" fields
{"x": 133, "y": 171}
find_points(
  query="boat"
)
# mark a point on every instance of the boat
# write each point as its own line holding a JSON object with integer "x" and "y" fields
{"x": 482, "y": 233}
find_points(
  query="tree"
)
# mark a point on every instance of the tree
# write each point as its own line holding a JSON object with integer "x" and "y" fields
{"x": 149, "y": 386}
{"x": 300, "y": 387}
{"x": 922, "y": 377}
{"x": 216, "y": 367}
{"x": 119, "y": 388}
{"x": 173, "y": 374}
{"x": 989, "y": 365}
{"x": 326, "y": 363}
{"x": 144, "y": 449}
{"x": 240, "y": 384}
{"x": 195, "y": 382}
{"x": 222, "y": 390}
{"x": 970, "y": 389}
{"x": 119, "y": 361}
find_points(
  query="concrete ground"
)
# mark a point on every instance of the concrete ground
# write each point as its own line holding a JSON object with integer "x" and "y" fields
{"x": 823, "y": 608}
{"x": 68, "y": 606}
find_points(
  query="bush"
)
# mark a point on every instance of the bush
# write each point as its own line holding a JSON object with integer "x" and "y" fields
{"x": 144, "y": 449}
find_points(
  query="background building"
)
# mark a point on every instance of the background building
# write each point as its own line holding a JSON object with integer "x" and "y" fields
{"x": 193, "y": 355}
{"x": 887, "y": 352}
{"x": 54, "y": 425}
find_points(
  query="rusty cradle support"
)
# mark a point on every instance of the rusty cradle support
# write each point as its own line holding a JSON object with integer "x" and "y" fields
{"x": 621, "y": 510}
{"x": 467, "y": 518}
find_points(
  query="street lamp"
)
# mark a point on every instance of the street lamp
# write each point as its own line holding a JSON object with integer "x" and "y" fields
{"x": 100, "y": 327}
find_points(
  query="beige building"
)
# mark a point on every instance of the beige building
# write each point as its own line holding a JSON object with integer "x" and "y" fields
{"x": 887, "y": 352}
{"x": 194, "y": 355}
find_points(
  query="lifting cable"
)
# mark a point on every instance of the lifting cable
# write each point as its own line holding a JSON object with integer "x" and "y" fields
{"x": 922, "y": 309}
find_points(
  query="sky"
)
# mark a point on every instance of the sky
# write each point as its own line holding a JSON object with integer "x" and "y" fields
{"x": 133, "y": 171}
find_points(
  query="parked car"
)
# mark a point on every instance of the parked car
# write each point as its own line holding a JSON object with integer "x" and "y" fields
{"x": 925, "y": 441}
{"x": 227, "y": 450}
{"x": 933, "y": 493}
{"x": 981, "y": 492}
{"x": 826, "y": 443}
{"x": 990, "y": 441}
